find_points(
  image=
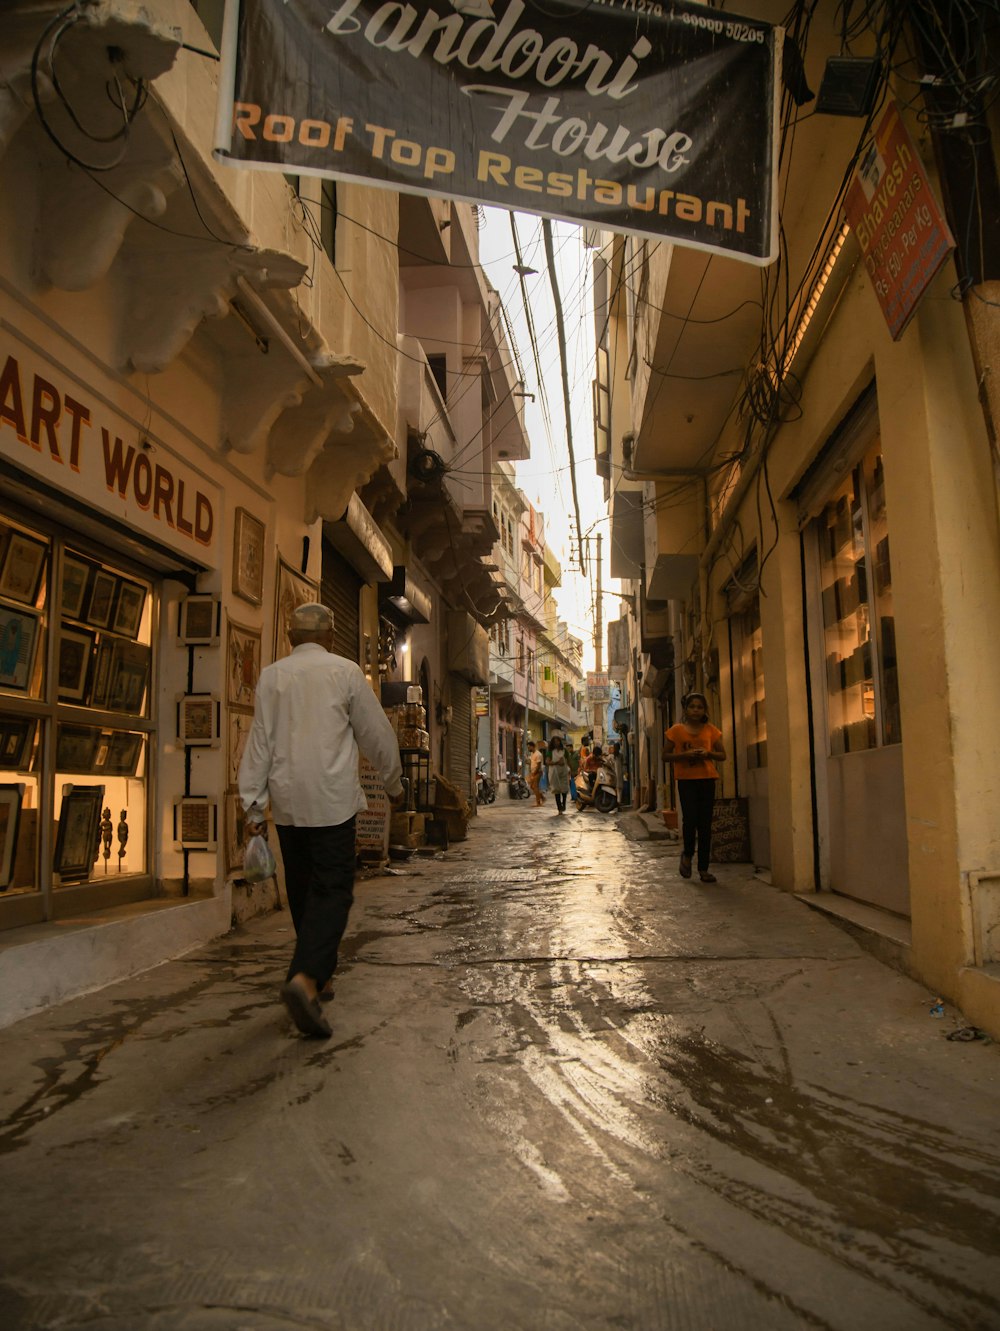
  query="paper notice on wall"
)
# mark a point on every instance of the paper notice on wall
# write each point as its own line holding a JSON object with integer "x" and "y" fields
{"x": 371, "y": 828}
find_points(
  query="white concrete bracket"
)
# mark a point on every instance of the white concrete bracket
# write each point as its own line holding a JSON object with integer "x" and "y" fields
{"x": 300, "y": 433}
{"x": 170, "y": 289}
{"x": 81, "y": 227}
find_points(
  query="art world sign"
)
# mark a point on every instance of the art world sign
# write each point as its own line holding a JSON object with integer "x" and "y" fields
{"x": 659, "y": 120}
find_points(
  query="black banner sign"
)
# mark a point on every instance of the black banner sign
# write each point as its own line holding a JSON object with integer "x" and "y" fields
{"x": 656, "y": 119}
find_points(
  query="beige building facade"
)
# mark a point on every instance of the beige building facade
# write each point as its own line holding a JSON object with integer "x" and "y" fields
{"x": 805, "y": 509}
{"x": 223, "y": 393}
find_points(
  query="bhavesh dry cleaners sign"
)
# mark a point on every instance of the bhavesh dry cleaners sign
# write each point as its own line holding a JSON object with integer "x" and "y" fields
{"x": 657, "y": 119}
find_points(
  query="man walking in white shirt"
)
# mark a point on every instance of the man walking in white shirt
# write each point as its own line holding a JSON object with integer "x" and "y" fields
{"x": 313, "y": 711}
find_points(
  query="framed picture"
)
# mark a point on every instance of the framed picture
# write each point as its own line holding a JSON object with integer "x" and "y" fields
{"x": 242, "y": 664}
{"x": 128, "y": 608}
{"x": 76, "y": 647}
{"x": 76, "y": 575}
{"x": 292, "y": 591}
{"x": 19, "y": 634}
{"x": 129, "y": 675}
{"x": 11, "y": 797}
{"x": 23, "y": 568}
{"x": 76, "y": 748}
{"x": 102, "y": 599}
{"x": 17, "y": 743}
{"x": 123, "y": 753}
{"x": 102, "y": 672}
{"x": 199, "y": 620}
{"x": 196, "y": 820}
{"x": 234, "y": 831}
{"x": 239, "y": 724}
{"x": 248, "y": 557}
{"x": 198, "y": 719}
{"x": 79, "y": 830}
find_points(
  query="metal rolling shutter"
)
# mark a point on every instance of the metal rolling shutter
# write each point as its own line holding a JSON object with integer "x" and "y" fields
{"x": 340, "y": 589}
{"x": 461, "y": 741}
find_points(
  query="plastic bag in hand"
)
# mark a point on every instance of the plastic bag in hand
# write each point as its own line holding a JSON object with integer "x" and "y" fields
{"x": 258, "y": 860}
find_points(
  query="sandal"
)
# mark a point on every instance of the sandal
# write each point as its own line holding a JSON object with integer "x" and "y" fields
{"x": 707, "y": 877}
{"x": 685, "y": 866}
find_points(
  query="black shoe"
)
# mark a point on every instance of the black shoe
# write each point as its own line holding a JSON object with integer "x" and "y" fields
{"x": 685, "y": 866}
{"x": 305, "y": 1011}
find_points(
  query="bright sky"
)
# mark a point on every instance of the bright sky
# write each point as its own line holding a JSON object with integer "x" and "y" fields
{"x": 545, "y": 477}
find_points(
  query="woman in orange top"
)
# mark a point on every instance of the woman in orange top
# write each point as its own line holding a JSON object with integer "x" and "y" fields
{"x": 694, "y": 746}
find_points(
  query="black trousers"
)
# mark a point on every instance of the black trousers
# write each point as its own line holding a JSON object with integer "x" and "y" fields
{"x": 560, "y": 800}
{"x": 319, "y": 883}
{"x": 697, "y": 801}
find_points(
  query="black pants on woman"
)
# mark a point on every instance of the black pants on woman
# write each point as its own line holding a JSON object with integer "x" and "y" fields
{"x": 697, "y": 801}
{"x": 560, "y": 800}
{"x": 319, "y": 883}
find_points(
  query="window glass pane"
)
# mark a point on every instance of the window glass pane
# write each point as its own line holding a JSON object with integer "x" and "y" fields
{"x": 100, "y": 803}
{"x": 881, "y": 597}
{"x": 846, "y": 621}
{"x": 328, "y": 218}
{"x": 25, "y": 561}
{"x": 754, "y": 715}
{"x": 104, "y": 637}
{"x": 19, "y": 782}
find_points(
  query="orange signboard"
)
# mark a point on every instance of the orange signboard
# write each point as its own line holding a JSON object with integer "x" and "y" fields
{"x": 892, "y": 210}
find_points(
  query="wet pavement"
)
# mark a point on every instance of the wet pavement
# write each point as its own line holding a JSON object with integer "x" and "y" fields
{"x": 567, "y": 1089}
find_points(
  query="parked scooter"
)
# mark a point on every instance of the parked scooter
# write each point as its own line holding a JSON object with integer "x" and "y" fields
{"x": 602, "y": 792}
{"x": 517, "y": 787}
{"x": 486, "y": 789}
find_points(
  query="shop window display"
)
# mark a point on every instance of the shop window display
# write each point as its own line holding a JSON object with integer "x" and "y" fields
{"x": 858, "y": 625}
{"x": 91, "y": 772}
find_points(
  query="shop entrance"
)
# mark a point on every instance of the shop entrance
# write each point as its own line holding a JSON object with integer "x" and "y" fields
{"x": 861, "y": 805}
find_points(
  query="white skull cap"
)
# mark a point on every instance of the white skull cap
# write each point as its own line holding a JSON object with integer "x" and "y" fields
{"x": 312, "y": 618}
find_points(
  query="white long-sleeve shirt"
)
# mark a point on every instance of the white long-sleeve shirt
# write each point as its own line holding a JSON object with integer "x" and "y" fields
{"x": 313, "y": 712}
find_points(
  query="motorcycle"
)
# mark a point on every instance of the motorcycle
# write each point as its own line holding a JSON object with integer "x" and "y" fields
{"x": 602, "y": 793}
{"x": 486, "y": 790}
{"x": 517, "y": 787}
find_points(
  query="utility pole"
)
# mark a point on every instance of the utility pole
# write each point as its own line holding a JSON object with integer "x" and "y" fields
{"x": 583, "y": 544}
{"x": 598, "y": 615}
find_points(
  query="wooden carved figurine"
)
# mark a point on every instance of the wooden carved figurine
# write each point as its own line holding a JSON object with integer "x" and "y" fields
{"x": 122, "y": 838}
{"x": 107, "y": 830}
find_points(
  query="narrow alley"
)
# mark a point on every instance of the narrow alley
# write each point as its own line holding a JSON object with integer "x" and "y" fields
{"x": 567, "y": 1089}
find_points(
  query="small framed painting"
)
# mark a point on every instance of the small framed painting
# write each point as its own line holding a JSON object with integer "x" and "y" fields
{"x": 248, "y": 557}
{"x": 19, "y": 634}
{"x": 76, "y": 748}
{"x": 128, "y": 608}
{"x": 242, "y": 664}
{"x": 198, "y": 719}
{"x": 76, "y": 647}
{"x": 102, "y": 673}
{"x": 199, "y": 618}
{"x": 102, "y": 599}
{"x": 123, "y": 753}
{"x": 79, "y": 824}
{"x": 196, "y": 819}
{"x": 240, "y": 725}
{"x": 76, "y": 575}
{"x": 292, "y": 591}
{"x": 234, "y": 831}
{"x": 129, "y": 676}
{"x": 23, "y": 568}
{"x": 17, "y": 743}
{"x": 11, "y": 796}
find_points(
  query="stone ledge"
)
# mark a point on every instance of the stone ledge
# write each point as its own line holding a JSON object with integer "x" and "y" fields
{"x": 45, "y": 964}
{"x": 887, "y": 937}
